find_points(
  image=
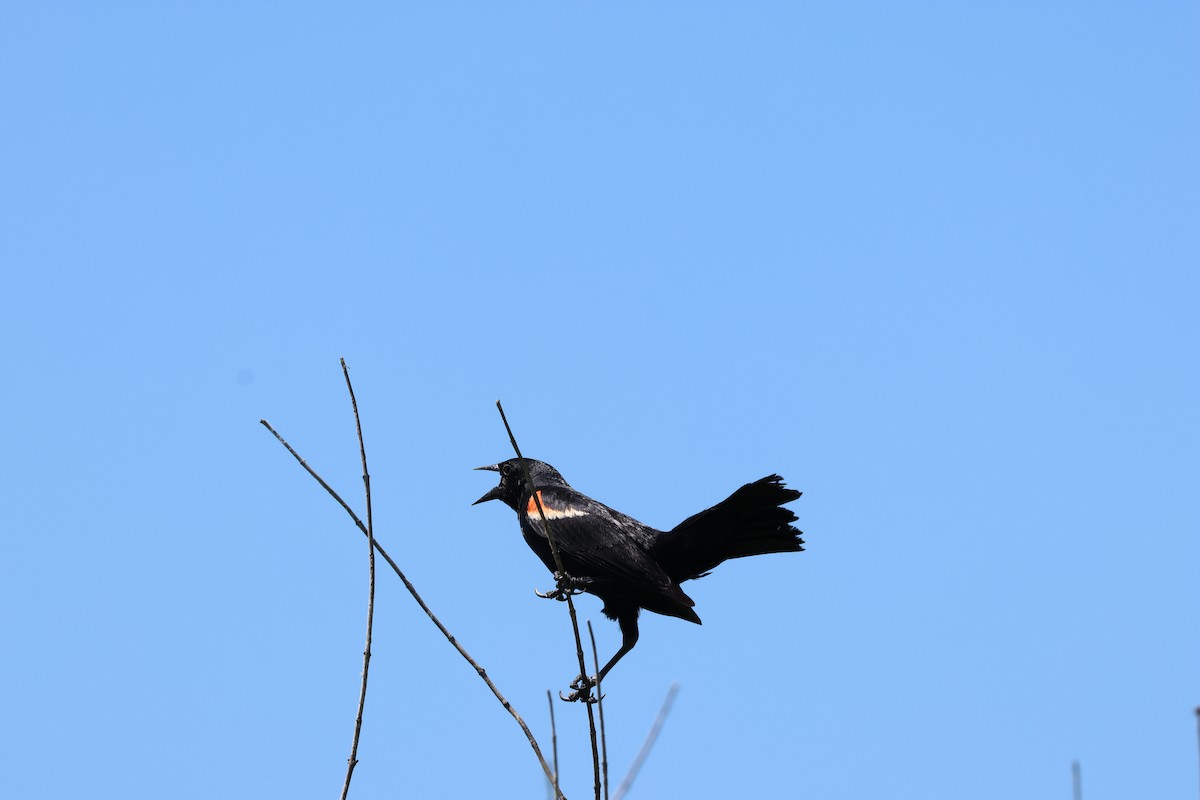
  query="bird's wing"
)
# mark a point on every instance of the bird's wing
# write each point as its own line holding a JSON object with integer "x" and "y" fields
{"x": 594, "y": 540}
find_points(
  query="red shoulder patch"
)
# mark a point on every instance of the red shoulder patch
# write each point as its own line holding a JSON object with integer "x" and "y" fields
{"x": 552, "y": 511}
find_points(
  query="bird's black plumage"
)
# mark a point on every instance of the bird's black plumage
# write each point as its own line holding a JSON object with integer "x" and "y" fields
{"x": 629, "y": 565}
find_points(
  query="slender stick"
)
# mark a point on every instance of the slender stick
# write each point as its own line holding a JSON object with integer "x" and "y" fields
{"x": 558, "y": 564}
{"x": 553, "y": 741}
{"x": 416, "y": 596}
{"x": 649, "y": 743}
{"x": 600, "y": 708}
{"x": 352, "y": 761}
{"x": 1076, "y": 781}
{"x": 1198, "y": 730}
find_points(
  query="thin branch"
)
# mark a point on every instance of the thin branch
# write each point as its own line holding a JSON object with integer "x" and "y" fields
{"x": 553, "y": 742}
{"x": 649, "y": 743}
{"x": 352, "y": 761}
{"x": 1198, "y": 729}
{"x": 558, "y": 565}
{"x": 1076, "y": 781}
{"x": 600, "y": 708}
{"x": 416, "y": 596}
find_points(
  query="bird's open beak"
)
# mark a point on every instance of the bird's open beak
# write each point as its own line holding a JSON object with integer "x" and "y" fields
{"x": 494, "y": 494}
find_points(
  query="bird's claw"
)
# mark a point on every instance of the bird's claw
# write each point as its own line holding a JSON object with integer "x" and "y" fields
{"x": 565, "y": 586}
{"x": 581, "y": 693}
{"x": 582, "y": 686}
{"x": 558, "y": 594}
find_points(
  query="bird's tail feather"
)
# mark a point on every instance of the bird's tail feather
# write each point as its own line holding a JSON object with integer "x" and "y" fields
{"x": 749, "y": 522}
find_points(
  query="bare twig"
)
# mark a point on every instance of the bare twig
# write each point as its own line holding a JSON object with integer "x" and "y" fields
{"x": 362, "y": 693}
{"x": 416, "y": 596}
{"x": 553, "y": 742}
{"x": 558, "y": 565}
{"x": 600, "y": 708}
{"x": 1076, "y": 781}
{"x": 1198, "y": 730}
{"x": 651, "y": 736}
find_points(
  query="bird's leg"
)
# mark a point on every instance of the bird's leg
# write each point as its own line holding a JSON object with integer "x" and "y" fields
{"x": 565, "y": 586}
{"x": 582, "y": 685}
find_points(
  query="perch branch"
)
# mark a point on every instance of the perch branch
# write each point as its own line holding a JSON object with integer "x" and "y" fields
{"x": 558, "y": 565}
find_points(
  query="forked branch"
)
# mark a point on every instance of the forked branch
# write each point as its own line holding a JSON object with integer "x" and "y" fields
{"x": 377, "y": 547}
{"x": 352, "y": 761}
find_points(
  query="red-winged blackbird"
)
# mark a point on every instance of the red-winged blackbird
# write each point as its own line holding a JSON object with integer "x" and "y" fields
{"x": 631, "y": 566}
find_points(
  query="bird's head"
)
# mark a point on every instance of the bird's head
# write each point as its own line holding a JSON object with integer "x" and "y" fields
{"x": 512, "y": 480}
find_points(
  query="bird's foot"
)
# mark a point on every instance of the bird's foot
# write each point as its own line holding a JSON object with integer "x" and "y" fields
{"x": 557, "y": 594}
{"x": 582, "y": 690}
{"x": 565, "y": 586}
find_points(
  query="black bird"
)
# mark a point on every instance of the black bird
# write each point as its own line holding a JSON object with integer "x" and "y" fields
{"x": 631, "y": 566}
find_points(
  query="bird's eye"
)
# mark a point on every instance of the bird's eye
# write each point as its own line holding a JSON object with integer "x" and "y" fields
{"x": 506, "y": 469}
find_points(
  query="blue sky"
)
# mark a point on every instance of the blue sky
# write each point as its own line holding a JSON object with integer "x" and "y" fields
{"x": 935, "y": 264}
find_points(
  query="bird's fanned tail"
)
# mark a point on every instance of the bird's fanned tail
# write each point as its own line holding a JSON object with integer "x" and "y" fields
{"x": 749, "y": 522}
